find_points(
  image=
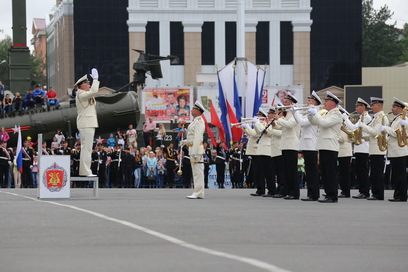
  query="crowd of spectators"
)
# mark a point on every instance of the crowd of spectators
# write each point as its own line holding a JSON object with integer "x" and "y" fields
{"x": 37, "y": 97}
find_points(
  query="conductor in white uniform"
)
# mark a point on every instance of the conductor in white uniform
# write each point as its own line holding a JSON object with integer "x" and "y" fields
{"x": 87, "y": 119}
{"x": 194, "y": 141}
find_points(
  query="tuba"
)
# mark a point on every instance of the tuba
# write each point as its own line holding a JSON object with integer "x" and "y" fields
{"x": 402, "y": 133}
{"x": 382, "y": 138}
{"x": 358, "y": 133}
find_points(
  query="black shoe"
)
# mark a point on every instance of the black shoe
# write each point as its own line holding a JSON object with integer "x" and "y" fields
{"x": 360, "y": 196}
{"x": 328, "y": 200}
{"x": 267, "y": 195}
{"x": 277, "y": 196}
{"x": 289, "y": 197}
{"x": 396, "y": 200}
{"x": 256, "y": 194}
{"x": 343, "y": 196}
{"x": 308, "y": 199}
{"x": 373, "y": 198}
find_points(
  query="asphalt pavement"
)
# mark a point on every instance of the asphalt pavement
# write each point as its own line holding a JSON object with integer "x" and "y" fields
{"x": 160, "y": 230}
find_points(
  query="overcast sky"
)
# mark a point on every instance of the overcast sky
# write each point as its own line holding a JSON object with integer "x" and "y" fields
{"x": 41, "y": 9}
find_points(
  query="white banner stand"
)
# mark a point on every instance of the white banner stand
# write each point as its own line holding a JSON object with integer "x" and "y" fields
{"x": 53, "y": 174}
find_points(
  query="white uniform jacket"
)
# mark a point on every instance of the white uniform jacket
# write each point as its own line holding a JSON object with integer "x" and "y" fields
{"x": 264, "y": 144}
{"x": 345, "y": 147}
{"x": 364, "y": 146}
{"x": 86, "y": 107}
{"x": 373, "y": 129}
{"x": 276, "y": 132}
{"x": 194, "y": 141}
{"x": 329, "y": 129}
{"x": 394, "y": 150}
{"x": 253, "y": 136}
{"x": 308, "y": 132}
{"x": 290, "y": 132}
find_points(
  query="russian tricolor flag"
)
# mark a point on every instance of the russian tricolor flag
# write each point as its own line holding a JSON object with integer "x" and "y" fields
{"x": 19, "y": 151}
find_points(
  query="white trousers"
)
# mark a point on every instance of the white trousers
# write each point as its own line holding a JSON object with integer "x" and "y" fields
{"x": 87, "y": 137}
{"x": 198, "y": 175}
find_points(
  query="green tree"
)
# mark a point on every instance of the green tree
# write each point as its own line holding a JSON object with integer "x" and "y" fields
{"x": 381, "y": 46}
{"x": 5, "y": 45}
{"x": 404, "y": 44}
{"x": 37, "y": 65}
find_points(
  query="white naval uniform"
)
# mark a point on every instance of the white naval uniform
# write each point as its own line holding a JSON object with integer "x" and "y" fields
{"x": 194, "y": 141}
{"x": 308, "y": 133}
{"x": 394, "y": 150}
{"x": 87, "y": 121}
{"x": 329, "y": 129}
{"x": 373, "y": 129}
{"x": 290, "y": 132}
{"x": 265, "y": 141}
{"x": 252, "y": 146}
{"x": 364, "y": 146}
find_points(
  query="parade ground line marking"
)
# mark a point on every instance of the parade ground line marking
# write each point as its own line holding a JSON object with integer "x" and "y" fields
{"x": 253, "y": 262}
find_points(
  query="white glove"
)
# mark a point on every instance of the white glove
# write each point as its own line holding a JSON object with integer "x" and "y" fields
{"x": 403, "y": 122}
{"x": 94, "y": 74}
{"x": 360, "y": 124}
{"x": 256, "y": 120}
{"x": 183, "y": 142}
{"x": 382, "y": 128}
{"x": 312, "y": 111}
{"x": 245, "y": 125}
{"x": 345, "y": 116}
{"x": 61, "y": 151}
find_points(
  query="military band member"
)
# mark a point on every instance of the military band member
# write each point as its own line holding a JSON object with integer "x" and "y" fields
{"x": 116, "y": 175}
{"x": 6, "y": 159}
{"x": 396, "y": 153}
{"x": 28, "y": 157}
{"x": 186, "y": 167}
{"x": 220, "y": 164}
{"x": 237, "y": 165}
{"x": 251, "y": 152}
{"x": 87, "y": 119}
{"x": 263, "y": 156}
{"x": 361, "y": 150}
{"x": 290, "y": 147}
{"x": 344, "y": 159}
{"x": 99, "y": 158}
{"x": 276, "y": 154}
{"x": 327, "y": 143}
{"x": 45, "y": 149}
{"x": 171, "y": 166}
{"x": 194, "y": 141}
{"x": 307, "y": 145}
{"x": 377, "y": 157}
{"x": 207, "y": 163}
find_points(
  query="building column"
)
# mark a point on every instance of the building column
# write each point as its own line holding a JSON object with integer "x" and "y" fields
{"x": 301, "y": 55}
{"x": 137, "y": 40}
{"x": 250, "y": 41}
{"x": 192, "y": 51}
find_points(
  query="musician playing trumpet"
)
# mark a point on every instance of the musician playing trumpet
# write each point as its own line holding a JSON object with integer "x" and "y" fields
{"x": 396, "y": 153}
{"x": 289, "y": 145}
{"x": 262, "y": 160}
{"x": 327, "y": 143}
{"x": 376, "y": 156}
{"x": 361, "y": 150}
{"x": 308, "y": 138}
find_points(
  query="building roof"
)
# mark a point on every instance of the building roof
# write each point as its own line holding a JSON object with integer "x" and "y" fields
{"x": 38, "y": 25}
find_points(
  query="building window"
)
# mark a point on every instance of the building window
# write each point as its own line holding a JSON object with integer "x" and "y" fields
{"x": 177, "y": 41}
{"x": 152, "y": 38}
{"x": 230, "y": 41}
{"x": 207, "y": 44}
{"x": 286, "y": 43}
{"x": 262, "y": 43}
